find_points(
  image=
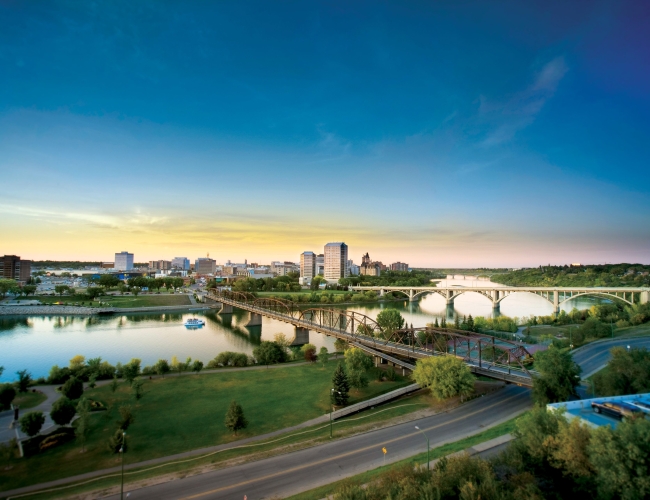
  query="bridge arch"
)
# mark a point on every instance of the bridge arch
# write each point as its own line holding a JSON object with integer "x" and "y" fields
{"x": 276, "y": 305}
{"x": 599, "y": 294}
{"x": 353, "y": 323}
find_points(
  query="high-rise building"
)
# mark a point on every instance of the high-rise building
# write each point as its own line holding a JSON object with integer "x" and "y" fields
{"x": 123, "y": 261}
{"x": 336, "y": 261}
{"x": 205, "y": 265}
{"x": 368, "y": 267}
{"x": 320, "y": 264}
{"x": 399, "y": 266}
{"x": 13, "y": 267}
{"x": 162, "y": 265}
{"x": 307, "y": 265}
{"x": 181, "y": 263}
{"x": 353, "y": 269}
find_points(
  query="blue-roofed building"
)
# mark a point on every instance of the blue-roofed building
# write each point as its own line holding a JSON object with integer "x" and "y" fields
{"x": 606, "y": 410}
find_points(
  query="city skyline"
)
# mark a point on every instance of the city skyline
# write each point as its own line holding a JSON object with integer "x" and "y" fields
{"x": 445, "y": 135}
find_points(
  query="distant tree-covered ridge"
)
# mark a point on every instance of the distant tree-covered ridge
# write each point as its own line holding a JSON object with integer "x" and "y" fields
{"x": 589, "y": 275}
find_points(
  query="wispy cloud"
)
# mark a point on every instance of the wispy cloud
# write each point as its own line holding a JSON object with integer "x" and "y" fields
{"x": 520, "y": 111}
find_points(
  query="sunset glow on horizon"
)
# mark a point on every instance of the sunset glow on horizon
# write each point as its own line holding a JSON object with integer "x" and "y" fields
{"x": 449, "y": 135}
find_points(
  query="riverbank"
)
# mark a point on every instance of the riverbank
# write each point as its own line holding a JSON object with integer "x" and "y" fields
{"x": 32, "y": 310}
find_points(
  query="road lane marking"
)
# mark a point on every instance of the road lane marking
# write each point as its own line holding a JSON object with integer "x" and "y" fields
{"x": 347, "y": 454}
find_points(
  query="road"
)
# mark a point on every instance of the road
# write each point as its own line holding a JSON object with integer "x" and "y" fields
{"x": 595, "y": 356}
{"x": 289, "y": 474}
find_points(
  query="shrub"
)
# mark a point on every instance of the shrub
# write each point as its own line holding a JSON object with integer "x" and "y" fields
{"x": 391, "y": 375}
{"x": 63, "y": 411}
{"x": 7, "y": 395}
{"x": 31, "y": 423}
{"x": 116, "y": 442}
{"x": 59, "y": 375}
{"x": 55, "y": 440}
{"x": 73, "y": 388}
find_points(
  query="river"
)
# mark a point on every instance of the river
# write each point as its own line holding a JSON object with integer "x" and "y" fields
{"x": 37, "y": 343}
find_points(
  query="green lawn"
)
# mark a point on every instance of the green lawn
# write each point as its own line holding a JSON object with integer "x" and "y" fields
{"x": 29, "y": 399}
{"x": 65, "y": 300}
{"x": 147, "y": 300}
{"x": 183, "y": 413}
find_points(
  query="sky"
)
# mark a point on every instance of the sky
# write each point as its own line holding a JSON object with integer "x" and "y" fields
{"x": 441, "y": 134}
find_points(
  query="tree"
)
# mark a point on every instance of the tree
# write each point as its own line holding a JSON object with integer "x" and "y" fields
{"x": 24, "y": 379}
{"x": 558, "y": 379}
{"x": 323, "y": 356}
{"x": 131, "y": 370}
{"x": 29, "y": 289}
{"x": 73, "y": 388}
{"x": 628, "y": 372}
{"x": 117, "y": 443}
{"x": 357, "y": 363}
{"x": 309, "y": 352}
{"x": 94, "y": 292}
{"x": 235, "y": 419}
{"x": 77, "y": 363}
{"x": 269, "y": 353}
{"x": 445, "y": 376}
{"x": 61, "y": 289}
{"x": 83, "y": 422}
{"x": 341, "y": 386}
{"x": 7, "y": 395}
{"x": 620, "y": 458}
{"x": 7, "y": 286}
{"x": 161, "y": 367}
{"x": 390, "y": 320}
{"x": 137, "y": 388}
{"x": 136, "y": 290}
{"x": 108, "y": 281}
{"x": 197, "y": 366}
{"x": 282, "y": 340}
{"x": 114, "y": 384}
{"x": 127, "y": 417}
{"x": 470, "y": 323}
{"x": 340, "y": 345}
{"x": 62, "y": 411}
{"x": 31, "y": 423}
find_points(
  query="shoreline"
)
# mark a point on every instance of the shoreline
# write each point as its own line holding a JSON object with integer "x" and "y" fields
{"x": 50, "y": 310}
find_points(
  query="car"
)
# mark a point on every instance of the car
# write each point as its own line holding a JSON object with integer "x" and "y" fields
{"x": 618, "y": 409}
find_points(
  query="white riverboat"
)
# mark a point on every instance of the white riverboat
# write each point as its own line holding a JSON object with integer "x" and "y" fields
{"x": 194, "y": 323}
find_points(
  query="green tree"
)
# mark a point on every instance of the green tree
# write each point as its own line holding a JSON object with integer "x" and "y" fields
{"x": 29, "y": 289}
{"x": 24, "y": 380}
{"x": 7, "y": 286}
{"x": 83, "y": 422}
{"x": 628, "y": 372}
{"x": 108, "y": 281}
{"x": 558, "y": 376}
{"x": 357, "y": 364}
{"x": 138, "y": 389}
{"x": 73, "y": 388}
{"x": 31, "y": 423}
{"x": 390, "y": 320}
{"x": 7, "y": 395}
{"x": 620, "y": 458}
{"x": 445, "y": 376}
{"x": 63, "y": 410}
{"x": 117, "y": 443}
{"x": 94, "y": 292}
{"x": 136, "y": 290}
{"x": 131, "y": 370}
{"x": 235, "y": 419}
{"x": 197, "y": 366}
{"x": 269, "y": 353}
{"x": 161, "y": 367}
{"x": 323, "y": 356}
{"x": 309, "y": 352}
{"x": 61, "y": 289}
{"x": 127, "y": 417}
{"x": 340, "y": 345}
{"x": 341, "y": 386}
{"x": 114, "y": 384}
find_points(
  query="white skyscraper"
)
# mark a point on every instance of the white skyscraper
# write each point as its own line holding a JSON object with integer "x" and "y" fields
{"x": 307, "y": 265}
{"x": 336, "y": 261}
{"x": 124, "y": 261}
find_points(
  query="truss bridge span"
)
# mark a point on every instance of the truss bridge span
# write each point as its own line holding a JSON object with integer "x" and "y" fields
{"x": 557, "y": 296}
{"x": 485, "y": 355}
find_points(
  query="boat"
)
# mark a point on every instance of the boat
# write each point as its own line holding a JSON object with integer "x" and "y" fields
{"x": 194, "y": 323}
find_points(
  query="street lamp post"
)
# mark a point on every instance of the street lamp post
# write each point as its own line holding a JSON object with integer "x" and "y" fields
{"x": 333, "y": 390}
{"x": 428, "y": 447}
{"x": 122, "y": 452}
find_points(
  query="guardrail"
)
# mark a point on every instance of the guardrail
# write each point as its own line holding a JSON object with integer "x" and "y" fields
{"x": 348, "y": 410}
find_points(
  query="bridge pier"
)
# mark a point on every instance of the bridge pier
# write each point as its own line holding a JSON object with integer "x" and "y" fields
{"x": 225, "y": 309}
{"x": 302, "y": 336}
{"x": 556, "y": 302}
{"x": 255, "y": 320}
{"x": 644, "y": 297}
{"x": 411, "y": 299}
{"x": 381, "y": 292}
{"x": 449, "y": 296}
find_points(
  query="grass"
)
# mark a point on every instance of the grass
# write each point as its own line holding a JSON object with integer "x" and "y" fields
{"x": 420, "y": 459}
{"x": 65, "y": 300}
{"x": 29, "y": 399}
{"x": 147, "y": 300}
{"x": 183, "y": 413}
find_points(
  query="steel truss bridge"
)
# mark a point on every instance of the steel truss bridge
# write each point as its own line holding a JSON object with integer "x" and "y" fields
{"x": 556, "y": 296}
{"x": 484, "y": 354}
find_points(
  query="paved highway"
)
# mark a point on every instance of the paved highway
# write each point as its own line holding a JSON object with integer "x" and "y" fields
{"x": 288, "y": 474}
{"x": 593, "y": 357}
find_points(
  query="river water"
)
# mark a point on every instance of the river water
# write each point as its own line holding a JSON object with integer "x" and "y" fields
{"x": 37, "y": 343}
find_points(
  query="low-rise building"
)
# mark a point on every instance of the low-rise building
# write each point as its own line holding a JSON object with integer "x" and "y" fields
{"x": 12, "y": 267}
{"x": 160, "y": 265}
{"x": 399, "y": 266}
{"x": 205, "y": 265}
{"x": 181, "y": 263}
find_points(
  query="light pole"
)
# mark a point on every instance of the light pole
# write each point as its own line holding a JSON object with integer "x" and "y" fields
{"x": 628, "y": 348}
{"x": 428, "y": 447}
{"x": 122, "y": 452}
{"x": 332, "y": 391}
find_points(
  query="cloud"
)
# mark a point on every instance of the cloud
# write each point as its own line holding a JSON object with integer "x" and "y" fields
{"x": 520, "y": 111}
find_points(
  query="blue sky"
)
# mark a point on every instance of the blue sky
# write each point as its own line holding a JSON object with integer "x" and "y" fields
{"x": 436, "y": 133}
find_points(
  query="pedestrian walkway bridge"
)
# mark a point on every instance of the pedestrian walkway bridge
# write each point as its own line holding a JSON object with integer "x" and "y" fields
{"x": 484, "y": 354}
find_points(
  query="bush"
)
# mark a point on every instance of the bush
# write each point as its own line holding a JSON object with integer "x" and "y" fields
{"x": 55, "y": 440}
{"x": 73, "y": 388}
{"x": 59, "y": 375}
{"x": 269, "y": 353}
{"x": 62, "y": 411}
{"x": 31, "y": 423}
{"x": 32, "y": 446}
{"x": 116, "y": 441}
{"x": 228, "y": 358}
{"x": 7, "y": 395}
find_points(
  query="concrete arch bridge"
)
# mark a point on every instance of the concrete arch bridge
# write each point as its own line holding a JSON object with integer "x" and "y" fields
{"x": 484, "y": 354}
{"x": 557, "y": 296}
